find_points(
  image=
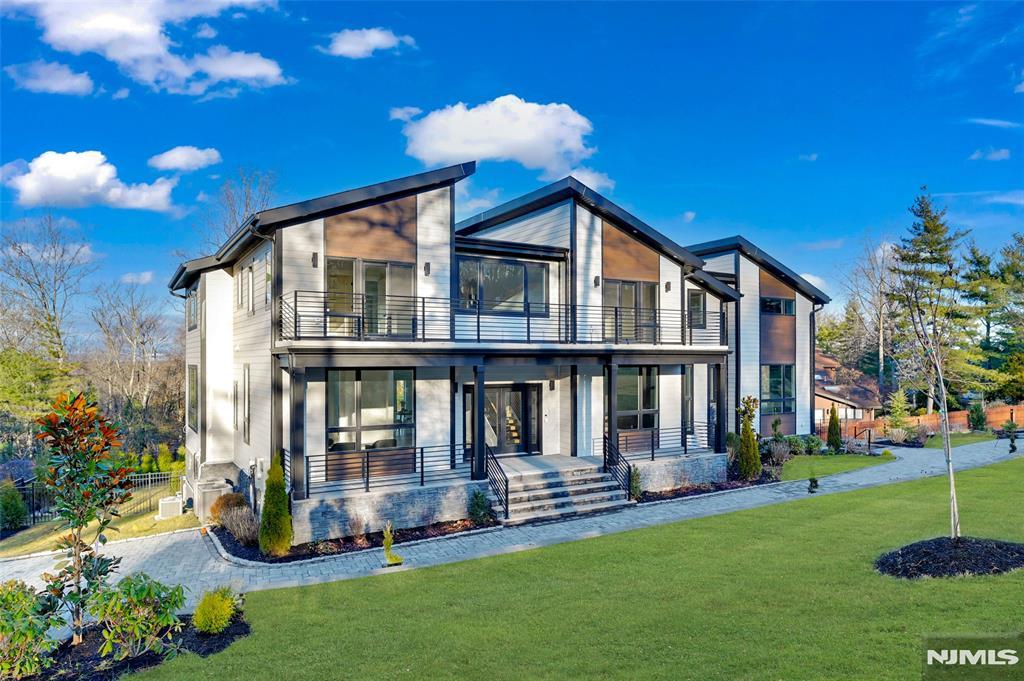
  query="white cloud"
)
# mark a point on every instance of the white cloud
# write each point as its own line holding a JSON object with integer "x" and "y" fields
{"x": 221, "y": 64}
{"x": 824, "y": 245}
{"x": 592, "y": 178}
{"x": 468, "y": 200}
{"x": 137, "y": 277}
{"x": 360, "y": 43}
{"x": 810, "y": 158}
{"x": 185, "y": 158}
{"x": 403, "y": 113}
{"x": 202, "y": 197}
{"x": 1014, "y": 197}
{"x": 50, "y": 77}
{"x": 545, "y": 137}
{"x": 120, "y": 94}
{"x": 75, "y": 179}
{"x": 133, "y": 35}
{"x": 993, "y": 122}
{"x": 689, "y": 216}
{"x": 990, "y": 155}
{"x": 815, "y": 281}
{"x": 206, "y": 32}
{"x": 1020, "y": 86}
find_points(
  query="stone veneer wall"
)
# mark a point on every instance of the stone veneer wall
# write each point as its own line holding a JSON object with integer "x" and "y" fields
{"x": 331, "y": 517}
{"x": 672, "y": 473}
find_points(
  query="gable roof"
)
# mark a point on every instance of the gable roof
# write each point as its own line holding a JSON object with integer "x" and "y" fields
{"x": 738, "y": 243}
{"x": 266, "y": 221}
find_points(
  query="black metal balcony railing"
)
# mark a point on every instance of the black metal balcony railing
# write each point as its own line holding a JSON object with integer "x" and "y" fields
{"x": 327, "y": 315}
{"x": 659, "y": 443}
{"x": 362, "y": 470}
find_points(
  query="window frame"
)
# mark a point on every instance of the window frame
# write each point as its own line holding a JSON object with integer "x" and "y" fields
{"x": 702, "y": 322}
{"x": 782, "y": 404}
{"x": 234, "y": 404}
{"x": 478, "y": 303}
{"x": 791, "y": 306}
{"x": 192, "y": 311}
{"x": 268, "y": 270}
{"x": 359, "y": 429}
{"x": 250, "y": 281}
{"x": 644, "y": 373}
{"x": 192, "y": 397}
{"x": 246, "y": 404}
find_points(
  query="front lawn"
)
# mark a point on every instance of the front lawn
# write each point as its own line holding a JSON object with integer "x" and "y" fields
{"x": 803, "y": 467}
{"x": 957, "y": 439}
{"x": 782, "y": 592}
{"x": 43, "y": 537}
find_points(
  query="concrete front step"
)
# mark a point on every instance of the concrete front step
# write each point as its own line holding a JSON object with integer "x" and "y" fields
{"x": 575, "y": 502}
{"x": 569, "y": 512}
{"x": 518, "y": 484}
{"x": 601, "y": 485}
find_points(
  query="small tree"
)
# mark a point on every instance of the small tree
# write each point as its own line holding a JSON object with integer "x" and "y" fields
{"x": 164, "y": 459}
{"x": 88, "y": 483}
{"x": 13, "y": 512}
{"x": 899, "y": 410}
{"x": 976, "y": 416}
{"x": 835, "y": 435}
{"x": 749, "y": 456}
{"x": 275, "y": 521}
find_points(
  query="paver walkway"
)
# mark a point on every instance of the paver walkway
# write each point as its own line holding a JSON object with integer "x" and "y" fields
{"x": 189, "y": 558}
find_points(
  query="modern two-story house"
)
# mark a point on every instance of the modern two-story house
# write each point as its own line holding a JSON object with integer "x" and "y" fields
{"x": 544, "y": 353}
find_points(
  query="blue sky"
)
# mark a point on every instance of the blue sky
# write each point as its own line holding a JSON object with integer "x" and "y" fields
{"x": 805, "y": 127}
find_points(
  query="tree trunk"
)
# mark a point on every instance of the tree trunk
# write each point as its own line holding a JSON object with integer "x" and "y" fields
{"x": 947, "y": 448}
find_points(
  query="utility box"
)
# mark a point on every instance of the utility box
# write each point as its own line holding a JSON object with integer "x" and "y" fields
{"x": 206, "y": 493}
{"x": 170, "y": 507}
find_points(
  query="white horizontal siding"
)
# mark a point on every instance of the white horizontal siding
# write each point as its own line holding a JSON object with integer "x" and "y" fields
{"x": 588, "y": 265}
{"x": 749, "y": 310}
{"x": 802, "y": 371}
{"x": 298, "y": 244}
{"x": 545, "y": 227}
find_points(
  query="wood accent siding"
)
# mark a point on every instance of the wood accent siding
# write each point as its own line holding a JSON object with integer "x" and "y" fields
{"x": 788, "y": 425}
{"x": 627, "y": 258}
{"x": 778, "y": 340}
{"x": 772, "y": 287}
{"x": 386, "y": 231}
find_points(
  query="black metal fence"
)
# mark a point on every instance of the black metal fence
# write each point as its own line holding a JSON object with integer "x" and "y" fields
{"x": 344, "y": 470}
{"x": 616, "y": 465}
{"x": 147, "y": 490}
{"x": 662, "y": 443}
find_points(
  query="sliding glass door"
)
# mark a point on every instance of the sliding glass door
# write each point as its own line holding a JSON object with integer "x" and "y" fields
{"x": 631, "y": 311}
{"x": 369, "y": 298}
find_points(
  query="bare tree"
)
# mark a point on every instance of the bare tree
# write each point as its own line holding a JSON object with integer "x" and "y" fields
{"x": 868, "y": 282}
{"x": 238, "y": 198}
{"x": 41, "y": 272}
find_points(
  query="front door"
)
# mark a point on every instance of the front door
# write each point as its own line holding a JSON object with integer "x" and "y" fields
{"x": 510, "y": 418}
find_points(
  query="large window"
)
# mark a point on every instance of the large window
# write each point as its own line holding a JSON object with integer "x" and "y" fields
{"x": 373, "y": 298}
{"x": 688, "y": 397}
{"x": 193, "y": 397}
{"x": 778, "y": 306}
{"x": 778, "y": 392}
{"x": 637, "y": 398}
{"x": 696, "y": 306}
{"x": 630, "y": 310}
{"x": 370, "y": 409}
{"x": 505, "y": 286}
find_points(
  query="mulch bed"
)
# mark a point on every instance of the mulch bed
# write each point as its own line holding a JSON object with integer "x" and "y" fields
{"x": 947, "y": 557}
{"x": 697, "y": 490}
{"x": 331, "y": 547}
{"x": 84, "y": 662}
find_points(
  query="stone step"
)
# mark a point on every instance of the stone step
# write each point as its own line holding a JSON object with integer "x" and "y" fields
{"x": 565, "y": 502}
{"x": 519, "y": 496}
{"x": 518, "y": 484}
{"x": 570, "y": 512}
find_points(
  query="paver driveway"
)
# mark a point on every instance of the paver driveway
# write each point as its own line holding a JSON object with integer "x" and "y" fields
{"x": 189, "y": 558}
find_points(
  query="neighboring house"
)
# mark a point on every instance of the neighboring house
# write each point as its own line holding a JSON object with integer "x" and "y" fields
{"x": 855, "y": 395}
{"x": 400, "y": 362}
{"x": 771, "y": 335}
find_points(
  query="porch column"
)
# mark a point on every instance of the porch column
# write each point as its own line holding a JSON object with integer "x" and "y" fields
{"x": 613, "y": 403}
{"x": 479, "y": 424}
{"x": 574, "y": 379}
{"x": 296, "y": 436}
{"x": 721, "y": 417}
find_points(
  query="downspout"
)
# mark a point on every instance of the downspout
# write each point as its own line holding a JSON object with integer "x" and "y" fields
{"x": 815, "y": 309}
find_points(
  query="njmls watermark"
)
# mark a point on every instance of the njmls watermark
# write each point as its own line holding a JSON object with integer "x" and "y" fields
{"x": 999, "y": 658}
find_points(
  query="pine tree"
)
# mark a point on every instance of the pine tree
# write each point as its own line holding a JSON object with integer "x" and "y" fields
{"x": 835, "y": 436}
{"x": 749, "y": 456}
{"x": 899, "y": 410}
{"x": 275, "y": 520}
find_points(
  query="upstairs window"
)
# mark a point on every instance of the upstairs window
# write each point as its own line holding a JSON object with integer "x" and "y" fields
{"x": 778, "y": 306}
{"x": 192, "y": 310}
{"x": 239, "y": 298}
{"x": 503, "y": 286}
{"x": 246, "y": 404}
{"x": 778, "y": 391}
{"x": 696, "y": 306}
{"x": 193, "y": 398}
{"x": 250, "y": 289}
{"x": 269, "y": 275}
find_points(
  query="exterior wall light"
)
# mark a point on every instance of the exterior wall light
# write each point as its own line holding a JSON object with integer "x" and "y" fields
{"x": 551, "y": 384}
{"x": 668, "y": 287}
{"x": 597, "y": 281}
{"x": 426, "y": 269}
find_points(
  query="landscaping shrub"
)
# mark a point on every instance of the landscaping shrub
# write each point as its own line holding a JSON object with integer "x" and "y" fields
{"x": 214, "y": 612}
{"x": 732, "y": 444}
{"x": 796, "y": 445}
{"x": 813, "y": 444}
{"x": 898, "y": 435}
{"x": 146, "y": 464}
{"x": 922, "y": 434}
{"x": 976, "y": 417}
{"x": 276, "y": 521}
{"x": 164, "y": 458}
{"x": 479, "y": 508}
{"x": 835, "y": 438}
{"x": 13, "y": 512}
{"x": 390, "y": 557}
{"x": 224, "y": 502}
{"x": 1011, "y": 432}
{"x": 749, "y": 457}
{"x": 777, "y": 429}
{"x": 778, "y": 452}
{"x": 898, "y": 410}
{"x": 634, "y": 484}
{"x": 24, "y": 622}
{"x": 241, "y": 523}
{"x": 886, "y": 452}
{"x": 138, "y": 615}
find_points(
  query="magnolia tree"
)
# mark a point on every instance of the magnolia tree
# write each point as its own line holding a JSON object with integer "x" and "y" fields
{"x": 927, "y": 291}
{"x": 88, "y": 483}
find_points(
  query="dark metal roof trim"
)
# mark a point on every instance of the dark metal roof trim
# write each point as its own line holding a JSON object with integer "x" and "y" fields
{"x": 738, "y": 243}
{"x": 188, "y": 272}
{"x": 498, "y": 247}
{"x": 716, "y": 286}
{"x": 570, "y": 187}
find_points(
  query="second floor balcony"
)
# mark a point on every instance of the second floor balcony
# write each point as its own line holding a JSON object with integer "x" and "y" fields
{"x": 319, "y": 315}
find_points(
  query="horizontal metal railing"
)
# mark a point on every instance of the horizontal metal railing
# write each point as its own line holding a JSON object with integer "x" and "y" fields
{"x": 661, "y": 443}
{"x": 328, "y": 315}
{"x": 368, "y": 469}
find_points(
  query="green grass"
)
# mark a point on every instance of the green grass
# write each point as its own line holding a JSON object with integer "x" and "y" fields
{"x": 43, "y": 536}
{"x": 957, "y": 439}
{"x": 803, "y": 467}
{"x": 781, "y": 592}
